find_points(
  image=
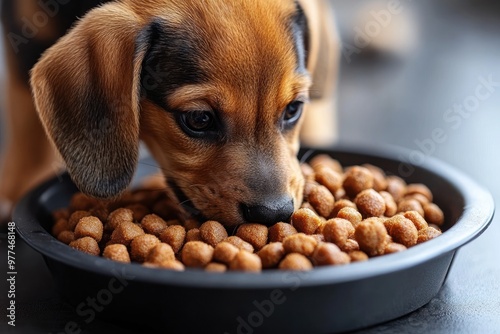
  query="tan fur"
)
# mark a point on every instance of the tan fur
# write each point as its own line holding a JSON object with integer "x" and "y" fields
{"x": 251, "y": 83}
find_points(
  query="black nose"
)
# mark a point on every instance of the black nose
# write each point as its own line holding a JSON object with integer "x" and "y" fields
{"x": 270, "y": 211}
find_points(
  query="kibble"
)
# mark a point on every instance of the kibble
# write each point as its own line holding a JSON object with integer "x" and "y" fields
{"x": 89, "y": 227}
{"x": 433, "y": 214}
{"x": 174, "y": 235}
{"x": 337, "y": 231}
{"x": 305, "y": 221}
{"x": 271, "y": 254}
{"x": 347, "y": 215}
{"x": 125, "y": 233}
{"x": 87, "y": 245}
{"x": 213, "y": 232}
{"x": 141, "y": 246}
{"x": 153, "y": 224}
{"x": 350, "y": 214}
{"x": 279, "y": 231}
{"x": 296, "y": 262}
{"x": 329, "y": 254}
{"x": 160, "y": 253}
{"x": 246, "y": 261}
{"x": 240, "y": 243}
{"x": 197, "y": 254}
{"x": 117, "y": 252}
{"x": 371, "y": 236}
{"x": 254, "y": 234}
{"x": 300, "y": 243}
{"x": 322, "y": 200}
{"x": 356, "y": 180}
{"x": 370, "y": 203}
{"x": 225, "y": 252}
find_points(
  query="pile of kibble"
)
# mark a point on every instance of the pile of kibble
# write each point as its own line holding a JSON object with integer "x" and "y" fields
{"x": 348, "y": 215}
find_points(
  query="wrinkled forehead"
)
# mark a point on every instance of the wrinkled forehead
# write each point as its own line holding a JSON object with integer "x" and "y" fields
{"x": 250, "y": 44}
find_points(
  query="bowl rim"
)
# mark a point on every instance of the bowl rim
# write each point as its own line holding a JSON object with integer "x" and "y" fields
{"x": 476, "y": 216}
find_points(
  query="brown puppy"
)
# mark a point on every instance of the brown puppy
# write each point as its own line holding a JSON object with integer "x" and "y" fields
{"x": 214, "y": 88}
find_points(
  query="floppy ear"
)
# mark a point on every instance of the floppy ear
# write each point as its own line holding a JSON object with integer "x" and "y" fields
{"x": 86, "y": 90}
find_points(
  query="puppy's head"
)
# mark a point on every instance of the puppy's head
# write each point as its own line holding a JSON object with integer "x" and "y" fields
{"x": 214, "y": 88}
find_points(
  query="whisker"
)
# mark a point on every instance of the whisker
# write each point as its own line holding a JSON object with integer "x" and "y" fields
{"x": 306, "y": 155}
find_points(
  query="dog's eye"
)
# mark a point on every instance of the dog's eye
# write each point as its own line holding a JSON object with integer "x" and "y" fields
{"x": 292, "y": 114}
{"x": 198, "y": 123}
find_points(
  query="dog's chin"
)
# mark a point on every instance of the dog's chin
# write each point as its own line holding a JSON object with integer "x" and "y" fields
{"x": 228, "y": 212}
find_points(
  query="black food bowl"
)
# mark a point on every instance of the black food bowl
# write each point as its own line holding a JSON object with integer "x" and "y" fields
{"x": 324, "y": 300}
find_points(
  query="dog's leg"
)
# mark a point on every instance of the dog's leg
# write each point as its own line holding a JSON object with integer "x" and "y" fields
{"x": 27, "y": 156}
{"x": 320, "y": 124}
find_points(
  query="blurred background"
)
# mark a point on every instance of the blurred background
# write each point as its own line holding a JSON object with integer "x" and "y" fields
{"x": 425, "y": 75}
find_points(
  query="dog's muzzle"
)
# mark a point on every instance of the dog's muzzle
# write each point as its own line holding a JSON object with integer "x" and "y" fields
{"x": 269, "y": 212}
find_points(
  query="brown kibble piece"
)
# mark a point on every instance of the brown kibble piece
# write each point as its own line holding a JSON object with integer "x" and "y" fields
{"x": 66, "y": 237}
{"x": 396, "y": 186}
{"x": 119, "y": 216}
{"x": 403, "y": 231}
{"x": 410, "y": 204}
{"x": 327, "y": 253}
{"x": 153, "y": 224}
{"x": 87, "y": 245}
{"x": 329, "y": 178}
{"x": 379, "y": 177}
{"x": 271, "y": 254}
{"x": 394, "y": 248}
{"x": 139, "y": 211}
{"x": 225, "y": 252}
{"x": 125, "y": 233}
{"x": 339, "y": 205}
{"x": 433, "y": 214}
{"x": 300, "y": 243}
{"x": 307, "y": 172}
{"x": 350, "y": 214}
{"x": 370, "y": 203}
{"x": 215, "y": 267}
{"x": 419, "y": 188}
{"x": 416, "y": 219}
{"x": 391, "y": 207}
{"x": 60, "y": 214}
{"x": 191, "y": 224}
{"x": 324, "y": 160}
{"x": 322, "y": 200}
{"x": 350, "y": 246}
{"x": 358, "y": 256}
{"x": 89, "y": 227}
{"x": 193, "y": 234}
{"x": 240, "y": 243}
{"x": 280, "y": 231}
{"x": 357, "y": 179}
{"x": 295, "y": 261}
{"x": 427, "y": 234}
{"x": 213, "y": 232}
{"x": 338, "y": 230}
{"x": 174, "y": 236}
{"x": 197, "y": 254}
{"x": 60, "y": 226}
{"x": 141, "y": 246}
{"x": 246, "y": 261}
{"x": 305, "y": 221}
{"x": 116, "y": 252}
{"x": 160, "y": 253}
{"x": 255, "y": 234}
{"x": 75, "y": 218}
{"x": 173, "y": 265}
{"x": 371, "y": 236}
